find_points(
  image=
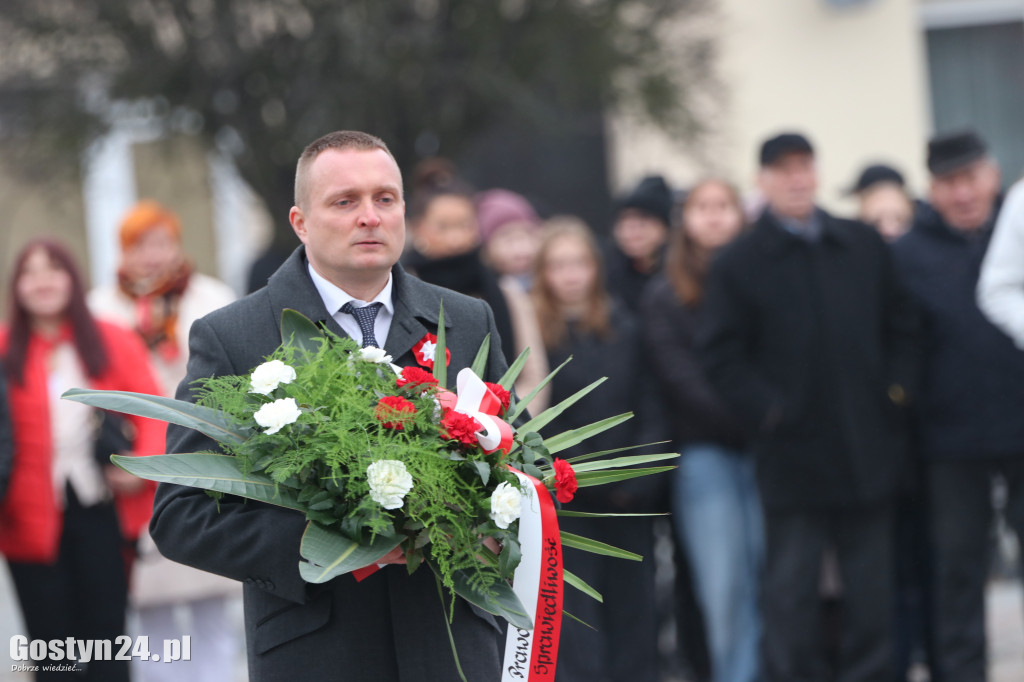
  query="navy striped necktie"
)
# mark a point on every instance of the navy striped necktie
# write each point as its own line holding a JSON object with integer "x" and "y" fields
{"x": 365, "y": 316}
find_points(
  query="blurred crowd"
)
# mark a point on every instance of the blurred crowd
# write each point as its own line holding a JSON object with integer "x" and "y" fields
{"x": 842, "y": 393}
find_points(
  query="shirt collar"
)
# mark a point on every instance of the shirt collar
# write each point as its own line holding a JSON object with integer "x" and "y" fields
{"x": 334, "y": 297}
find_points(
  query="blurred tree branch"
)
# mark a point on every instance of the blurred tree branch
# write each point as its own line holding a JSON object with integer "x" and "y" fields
{"x": 261, "y": 78}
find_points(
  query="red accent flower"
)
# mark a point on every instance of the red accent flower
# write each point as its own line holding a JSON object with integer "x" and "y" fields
{"x": 393, "y": 412}
{"x": 565, "y": 481}
{"x": 460, "y": 426}
{"x": 416, "y": 378}
{"x": 423, "y": 351}
{"x": 501, "y": 394}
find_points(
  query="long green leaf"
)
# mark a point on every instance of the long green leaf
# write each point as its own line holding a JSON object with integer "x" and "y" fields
{"x": 581, "y": 622}
{"x": 602, "y": 453}
{"x": 329, "y": 554}
{"x": 209, "y": 472}
{"x": 299, "y": 331}
{"x": 568, "y": 439}
{"x": 480, "y": 361}
{"x": 579, "y": 584}
{"x": 591, "y": 478}
{"x": 501, "y": 602}
{"x": 600, "y": 515}
{"x": 524, "y": 403}
{"x": 440, "y": 352}
{"x": 595, "y": 547}
{"x": 621, "y": 462}
{"x": 508, "y": 379}
{"x": 214, "y": 424}
{"x": 545, "y": 417}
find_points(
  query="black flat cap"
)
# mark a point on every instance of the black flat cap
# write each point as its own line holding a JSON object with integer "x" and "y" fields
{"x": 774, "y": 148}
{"x": 952, "y": 151}
{"x": 874, "y": 174}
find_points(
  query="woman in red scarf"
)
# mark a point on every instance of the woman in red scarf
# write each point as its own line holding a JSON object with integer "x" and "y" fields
{"x": 67, "y": 516}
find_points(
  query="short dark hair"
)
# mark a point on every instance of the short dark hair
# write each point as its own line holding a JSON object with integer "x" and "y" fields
{"x": 339, "y": 139}
{"x": 774, "y": 148}
{"x": 952, "y": 151}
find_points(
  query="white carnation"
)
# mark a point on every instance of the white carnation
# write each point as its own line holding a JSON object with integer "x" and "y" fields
{"x": 278, "y": 414}
{"x": 389, "y": 482}
{"x": 506, "y": 501}
{"x": 269, "y": 376}
{"x": 374, "y": 354}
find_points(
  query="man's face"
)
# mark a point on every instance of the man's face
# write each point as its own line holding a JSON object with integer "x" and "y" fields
{"x": 965, "y": 197}
{"x": 790, "y": 184}
{"x": 353, "y": 223}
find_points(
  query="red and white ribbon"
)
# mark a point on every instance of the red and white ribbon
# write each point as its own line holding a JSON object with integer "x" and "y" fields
{"x": 532, "y": 654}
{"x": 479, "y": 402}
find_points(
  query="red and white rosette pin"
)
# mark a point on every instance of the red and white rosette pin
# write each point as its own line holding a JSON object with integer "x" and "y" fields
{"x": 532, "y": 654}
{"x": 426, "y": 348}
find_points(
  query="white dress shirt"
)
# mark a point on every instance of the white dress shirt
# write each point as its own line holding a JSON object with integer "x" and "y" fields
{"x": 334, "y": 298}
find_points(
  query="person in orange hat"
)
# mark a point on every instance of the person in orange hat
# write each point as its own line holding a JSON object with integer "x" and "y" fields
{"x": 160, "y": 295}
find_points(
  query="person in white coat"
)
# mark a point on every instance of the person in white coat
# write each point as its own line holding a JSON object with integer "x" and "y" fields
{"x": 1001, "y": 286}
{"x": 159, "y": 295}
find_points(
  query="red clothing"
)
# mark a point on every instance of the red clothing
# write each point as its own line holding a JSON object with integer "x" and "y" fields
{"x": 30, "y": 518}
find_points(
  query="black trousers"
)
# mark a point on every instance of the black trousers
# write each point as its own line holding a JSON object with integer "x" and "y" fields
{"x": 793, "y": 647}
{"x": 961, "y": 507}
{"x": 83, "y": 595}
{"x": 623, "y": 647}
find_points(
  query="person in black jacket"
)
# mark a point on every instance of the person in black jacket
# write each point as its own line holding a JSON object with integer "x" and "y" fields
{"x": 579, "y": 319}
{"x": 810, "y": 339}
{"x": 715, "y": 500}
{"x": 445, "y": 243}
{"x": 972, "y": 402}
{"x": 642, "y": 219}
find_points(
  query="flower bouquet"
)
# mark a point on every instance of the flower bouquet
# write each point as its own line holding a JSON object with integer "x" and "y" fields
{"x": 380, "y": 457}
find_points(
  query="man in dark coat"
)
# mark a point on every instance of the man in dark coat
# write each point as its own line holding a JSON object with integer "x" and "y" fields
{"x": 971, "y": 408}
{"x": 390, "y": 627}
{"x": 808, "y": 337}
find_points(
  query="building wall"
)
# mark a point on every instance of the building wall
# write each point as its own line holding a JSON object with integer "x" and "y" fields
{"x": 851, "y": 77}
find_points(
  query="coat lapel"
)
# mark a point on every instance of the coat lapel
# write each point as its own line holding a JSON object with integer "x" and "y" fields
{"x": 416, "y": 308}
{"x": 291, "y": 287}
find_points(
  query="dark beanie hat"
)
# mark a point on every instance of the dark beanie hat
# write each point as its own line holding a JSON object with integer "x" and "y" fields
{"x": 875, "y": 174}
{"x": 951, "y": 151}
{"x": 774, "y": 148}
{"x": 652, "y": 196}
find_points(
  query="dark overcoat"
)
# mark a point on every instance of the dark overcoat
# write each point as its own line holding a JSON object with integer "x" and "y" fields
{"x": 813, "y": 344}
{"x": 972, "y": 393}
{"x": 389, "y": 627}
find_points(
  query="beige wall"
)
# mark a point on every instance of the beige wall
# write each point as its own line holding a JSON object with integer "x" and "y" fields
{"x": 851, "y": 78}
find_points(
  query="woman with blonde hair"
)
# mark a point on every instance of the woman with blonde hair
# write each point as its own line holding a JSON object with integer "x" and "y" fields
{"x": 578, "y": 318}
{"x": 715, "y": 500}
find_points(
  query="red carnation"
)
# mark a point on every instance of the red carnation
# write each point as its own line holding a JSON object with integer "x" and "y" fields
{"x": 501, "y": 394}
{"x": 565, "y": 481}
{"x": 416, "y": 378}
{"x": 460, "y": 426}
{"x": 393, "y": 412}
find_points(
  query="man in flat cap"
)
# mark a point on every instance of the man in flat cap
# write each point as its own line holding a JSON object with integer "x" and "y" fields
{"x": 810, "y": 339}
{"x": 971, "y": 406}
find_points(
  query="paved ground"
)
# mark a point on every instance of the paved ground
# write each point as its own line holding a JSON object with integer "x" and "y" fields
{"x": 1005, "y": 621}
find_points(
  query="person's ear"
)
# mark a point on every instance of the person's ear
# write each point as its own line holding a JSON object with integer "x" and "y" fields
{"x": 298, "y": 221}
